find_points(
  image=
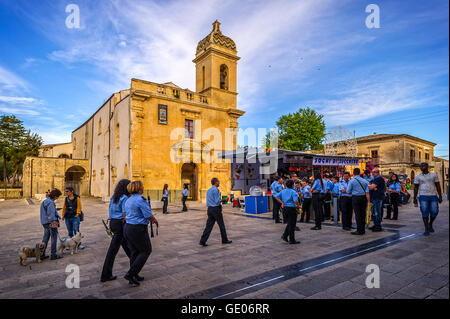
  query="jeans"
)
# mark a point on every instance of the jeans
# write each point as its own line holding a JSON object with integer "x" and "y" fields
{"x": 53, "y": 233}
{"x": 73, "y": 225}
{"x": 429, "y": 206}
{"x": 377, "y": 211}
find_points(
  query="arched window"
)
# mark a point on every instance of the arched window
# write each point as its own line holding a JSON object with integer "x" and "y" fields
{"x": 99, "y": 126}
{"x": 117, "y": 135}
{"x": 224, "y": 77}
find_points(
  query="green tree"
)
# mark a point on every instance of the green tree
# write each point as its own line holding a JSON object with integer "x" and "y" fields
{"x": 299, "y": 131}
{"x": 15, "y": 144}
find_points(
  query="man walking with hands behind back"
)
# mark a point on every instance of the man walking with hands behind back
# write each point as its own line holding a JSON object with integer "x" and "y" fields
{"x": 426, "y": 184}
{"x": 214, "y": 203}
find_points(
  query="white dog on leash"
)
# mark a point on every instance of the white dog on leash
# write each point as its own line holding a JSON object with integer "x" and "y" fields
{"x": 71, "y": 243}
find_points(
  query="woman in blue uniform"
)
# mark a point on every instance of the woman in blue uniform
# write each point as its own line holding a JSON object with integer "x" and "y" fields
{"x": 165, "y": 198}
{"x": 288, "y": 198}
{"x": 138, "y": 214}
{"x": 116, "y": 223}
{"x": 393, "y": 190}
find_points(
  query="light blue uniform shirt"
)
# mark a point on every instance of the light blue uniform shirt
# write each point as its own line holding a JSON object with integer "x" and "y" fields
{"x": 336, "y": 189}
{"x": 318, "y": 186}
{"x": 329, "y": 186}
{"x": 276, "y": 188}
{"x": 213, "y": 197}
{"x": 185, "y": 192}
{"x": 48, "y": 212}
{"x": 116, "y": 210}
{"x": 344, "y": 185}
{"x": 395, "y": 186}
{"x": 137, "y": 210}
{"x": 306, "y": 191}
{"x": 288, "y": 196}
{"x": 368, "y": 178}
{"x": 165, "y": 193}
{"x": 357, "y": 189}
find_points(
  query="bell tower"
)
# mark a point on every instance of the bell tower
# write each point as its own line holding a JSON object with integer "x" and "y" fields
{"x": 216, "y": 63}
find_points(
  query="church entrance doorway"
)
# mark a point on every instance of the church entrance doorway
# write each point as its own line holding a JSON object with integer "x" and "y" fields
{"x": 73, "y": 178}
{"x": 189, "y": 175}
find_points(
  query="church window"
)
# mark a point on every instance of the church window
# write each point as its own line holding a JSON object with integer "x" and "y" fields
{"x": 189, "y": 128}
{"x": 224, "y": 77}
{"x": 102, "y": 173}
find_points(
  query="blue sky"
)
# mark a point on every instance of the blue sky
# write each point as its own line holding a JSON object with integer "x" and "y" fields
{"x": 293, "y": 54}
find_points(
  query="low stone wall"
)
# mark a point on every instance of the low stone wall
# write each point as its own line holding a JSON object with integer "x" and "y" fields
{"x": 11, "y": 193}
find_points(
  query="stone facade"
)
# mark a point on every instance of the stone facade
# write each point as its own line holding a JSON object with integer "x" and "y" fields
{"x": 157, "y": 133}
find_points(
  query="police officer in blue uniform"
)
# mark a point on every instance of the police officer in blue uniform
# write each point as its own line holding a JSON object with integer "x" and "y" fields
{"x": 214, "y": 203}
{"x": 276, "y": 188}
{"x": 359, "y": 188}
{"x": 185, "y": 193}
{"x": 289, "y": 201}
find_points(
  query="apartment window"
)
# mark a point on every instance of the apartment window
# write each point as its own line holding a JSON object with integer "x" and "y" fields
{"x": 374, "y": 154}
{"x": 188, "y": 128}
{"x": 203, "y": 77}
{"x": 412, "y": 155}
{"x": 420, "y": 155}
{"x": 427, "y": 156}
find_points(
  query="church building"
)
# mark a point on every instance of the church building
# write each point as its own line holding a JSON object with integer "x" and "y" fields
{"x": 158, "y": 133}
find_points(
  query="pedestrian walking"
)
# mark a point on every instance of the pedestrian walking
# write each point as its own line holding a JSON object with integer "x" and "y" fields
{"x": 116, "y": 223}
{"x": 289, "y": 201}
{"x": 377, "y": 188}
{"x": 359, "y": 188}
{"x": 50, "y": 222}
{"x": 394, "y": 190}
{"x": 318, "y": 191}
{"x": 427, "y": 186}
{"x": 346, "y": 202}
{"x": 214, "y": 204}
{"x": 138, "y": 214}
{"x": 185, "y": 196}
{"x": 276, "y": 188}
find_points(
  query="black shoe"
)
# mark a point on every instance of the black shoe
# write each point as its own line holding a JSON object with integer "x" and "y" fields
{"x": 377, "y": 229}
{"x": 294, "y": 242}
{"x": 300, "y": 221}
{"x": 203, "y": 244}
{"x": 357, "y": 233}
{"x": 395, "y": 218}
{"x": 227, "y": 242}
{"x": 346, "y": 228}
{"x": 371, "y": 227}
{"x": 316, "y": 228}
{"x": 44, "y": 257}
{"x": 387, "y": 217}
{"x": 139, "y": 278}
{"x": 297, "y": 228}
{"x": 55, "y": 257}
{"x": 278, "y": 222}
{"x": 108, "y": 279}
{"x": 284, "y": 238}
{"x": 131, "y": 280}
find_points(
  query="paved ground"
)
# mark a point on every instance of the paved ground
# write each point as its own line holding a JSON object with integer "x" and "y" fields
{"x": 327, "y": 264}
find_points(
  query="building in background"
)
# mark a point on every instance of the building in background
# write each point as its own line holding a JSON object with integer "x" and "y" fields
{"x": 138, "y": 132}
